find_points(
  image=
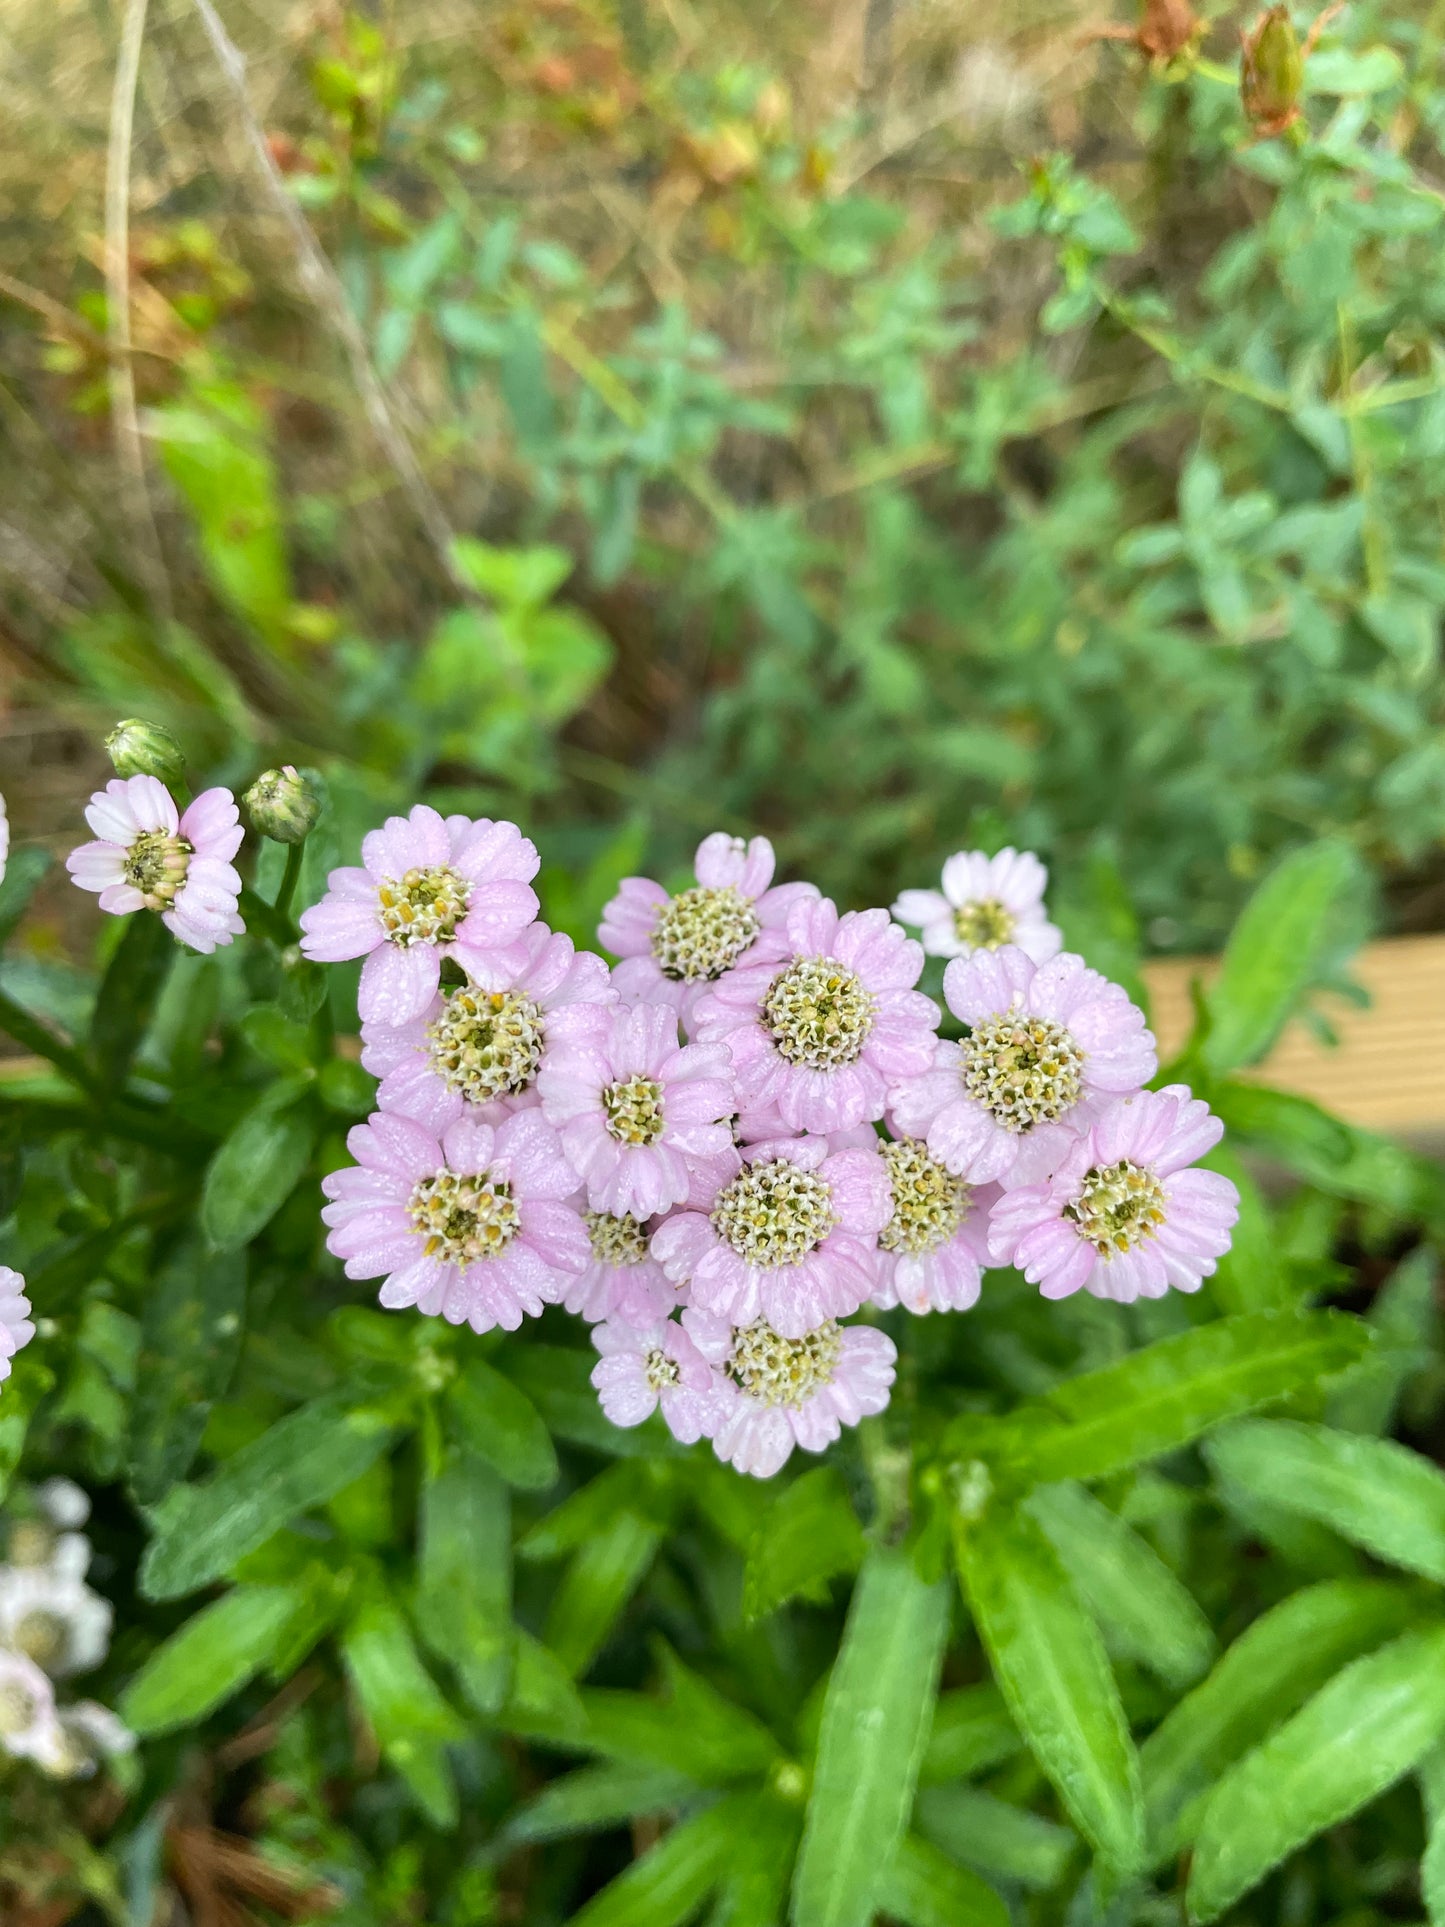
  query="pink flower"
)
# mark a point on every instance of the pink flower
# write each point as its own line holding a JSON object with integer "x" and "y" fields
{"x": 1122, "y": 1215}
{"x": 788, "y": 1391}
{"x": 475, "y": 1228}
{"x": 674, "y": 948}
{"x": 476, "y": 1049}
{"x": 985, "y": 902}
{"x": 149, "y": 857}
{"x": 622, "y": 1280}
{"x": 432, "y": 887}
{"x": 824, "y": 1023}
{"x": 656, "y": 1363}
{"x": 30, "y": 1729}
{"x": 792, "y": 1237}
{"x": 1045, "y": 1040}
{"x": 636, "y": 1109}
{"x": 16, "y": 1329}
{"x": 932, "y": 1251}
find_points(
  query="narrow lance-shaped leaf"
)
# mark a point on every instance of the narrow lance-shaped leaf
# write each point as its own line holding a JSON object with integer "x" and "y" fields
{"x": 258, "y": 1166}
{"x": 1276, "y": 952}
{"x": 202, "y": 1531}
{"x": 1264, "y": 1677}
{"x": 595, "y": 1798}
{"x": 671, "y": 1880}
{"x": 971, "y": 1730}
{"x": 464, "y": 1589}
{"x": 192, "y": 1324}
{"x": 924, "y": 1888}
{"x": 808, "y": 1536}
{"x": 597, "y": 1585}
{"x": 127, "y": 996}
{"x": 999, "y": 1841}
{"x": 876, "y": 1720}
{"x": 1356, "y": 1737}
{"x": 399, "y": 1697}
{"x": 1172, "y": 1392}
{"x": 1143, "y": 1611}
{"x": 501, "y": 1424}
{"x": 208, "y": 1659}
{"x": 1050, "y": 1662}
{"x": 1380, "y": 1494}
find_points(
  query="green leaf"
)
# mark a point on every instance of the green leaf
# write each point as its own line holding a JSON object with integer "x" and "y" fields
{"x": 192, "y": 1323}
{"x": 672, "y": 1880}
{"x": 258, "y": 1166}
{"x": 1050, "y": 1663}
{"x": 211, "y": 1657}
{"x": 595, "y": 1798}
{"x": 971, "y": 1730}
{"x": 876, "y": 1719}
{"x": 1267, "y": 1674}
{"x": 809, "y": 1535}
{"x": 692, "y": 1730}
{"x": 1252, "y": 1274}
{"x": 1340, "y": 1158}
{"x": 1379, "y": 1494}
{"x": 1432, "y": 1874}
{"x": 596, "y": 1586}
{"x": 503, "y": 1426}
{"x": 127, "y": 996}
{"x": 1142, "y": 1610}
{"x": 203, "y": 1530}
{"x": 399, "y": 1697}
{"x": 1167, "y": 1395}
{"x": 1358, "y": 1735}
{"x": 754, "y": 1891}
{"x": 922, "y": 1887}
{"x": 21, "y": 880}
{"x": 464, "y": 1576}
{"x": 583, "y": 1513}
{"x": 1000, "y": 1841}
{"x": 1275, "y": 953}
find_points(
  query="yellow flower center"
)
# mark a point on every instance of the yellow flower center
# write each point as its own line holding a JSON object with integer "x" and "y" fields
{"x": 984, "y": 924}
{"x": 1121, "y": 1205}
{"x": 1023, "y": 1070}
{"x": 617, "y": 1239}
{"x": 929, "y": 1203}
{"x": 464, "y": 1219}
{"x": 701, "y": 933}
{"x": 424, "y": 906}
{"x": 818, "y": 1013}
{"x": 487, "y": 1044}
{"x": 774, "y": 1213}
{"x": 783, "y": 1371}
{"x": 634, "y": 1111}
{"x": 156, "y": 865}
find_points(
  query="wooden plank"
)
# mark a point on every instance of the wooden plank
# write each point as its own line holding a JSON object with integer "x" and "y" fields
{"x": 1387, "y": 1071}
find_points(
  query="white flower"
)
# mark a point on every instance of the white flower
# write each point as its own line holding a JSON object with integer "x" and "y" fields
{"x": 29, "y": 1726}
{"x": 49, "y": 1614}
{"x": 985, "y": 902}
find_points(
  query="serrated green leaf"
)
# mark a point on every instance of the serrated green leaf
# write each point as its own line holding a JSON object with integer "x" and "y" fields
{"x": 399, "y": 1697}
{"x": 922, "y": 1887}
{"x": 202, "y": 1531}
{"x": 672, "y": 1880}
{"x": 258, "y": 1166}
{"x": 1381, "y": 1495}
{"x": 501, "y": 1423}
{"x": 601, "y": 1578}
{"x": 127, "y": 996}
{"x": 1275, "y": 953}
{"x": 211, "y": 1657}
{"x": 808, "y": 1536}
{"x": 1264, "y": 1677}
{"x": 192, "y": 1323}
{"x": 464, "y": 1576}
{"x": 876, "y": 1719}
{"x": 1356, "y": 1737}
{"x": 1050, "y": 1663}
{"x": 1143, "y": 1611}
{"x": 999, "y": 1841}
{"x": 971, "y": 1730}
{"x": 1170, "y": 1393}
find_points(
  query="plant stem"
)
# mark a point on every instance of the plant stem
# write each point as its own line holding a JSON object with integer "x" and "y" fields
{"x": 289, "y": 880}
{"x": 269, "y": 918}
{"x": 18, "y": 1023}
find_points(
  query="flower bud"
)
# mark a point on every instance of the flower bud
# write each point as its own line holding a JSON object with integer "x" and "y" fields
{"x": 145, "y": 749}
{"x": 284, "y": 804}
{"x": 1271, "y": 73}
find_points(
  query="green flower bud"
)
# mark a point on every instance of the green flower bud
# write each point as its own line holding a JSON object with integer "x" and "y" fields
{"x": 1271, "y": 73}
{"x": 145, "y": 749}
{"x": 284, "y": 804}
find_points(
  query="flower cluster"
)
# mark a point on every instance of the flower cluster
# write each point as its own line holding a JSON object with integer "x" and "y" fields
{"x": 52, "y": 1627}
{"x": 748, "y": 1131}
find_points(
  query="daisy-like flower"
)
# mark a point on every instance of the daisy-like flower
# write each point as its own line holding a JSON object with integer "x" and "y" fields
{"x": 655, "y": 1363}
{"x": 622, "y": 1280}
{"x": 50, "y": 1615}
{"x": 476, "y": 1049}
{"x": 1123, "y": 1215}
{"x": 430, "y": 887}
{"x": 475, "y": 1228}
{"x": 149, "y": 856}
{"x": 827, "y": 1021}
{"x": 89, "y": 1733}
{"x": 29, "y": 1728}
{"x": 791, "y": 1237}
{"x": 1044, "y": 1042}
{"x": 985, "y": 902}
{"x": 674, "y": 948}
{"x": 932, "y": 1251}
{"x": 16, "y": 1328}
{"x": 787, "y": 1391}
{"x": 635, "y": 1109}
